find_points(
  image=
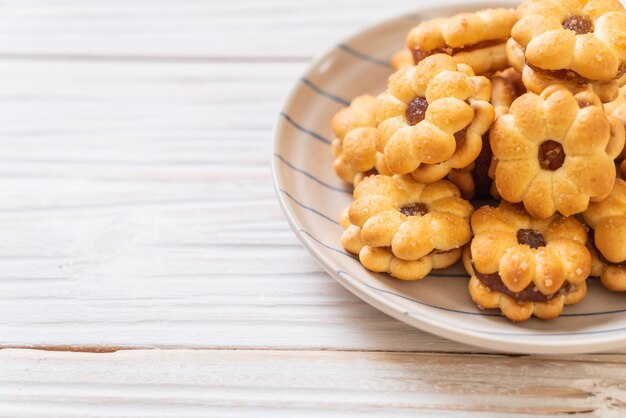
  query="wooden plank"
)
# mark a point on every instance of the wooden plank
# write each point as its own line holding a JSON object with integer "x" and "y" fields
{"x": 178, "y": 274}
{"x": 205, "y": 101}
{"x": 189, "y": 29}
{"x": 200, "y": 383}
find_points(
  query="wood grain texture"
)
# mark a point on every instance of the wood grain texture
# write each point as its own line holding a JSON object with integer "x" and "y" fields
{"x": 163, "y": 29}
{"x": 137, "y": 211}
{"x": 204, "y": 30}
{"x": 208, "y": 383}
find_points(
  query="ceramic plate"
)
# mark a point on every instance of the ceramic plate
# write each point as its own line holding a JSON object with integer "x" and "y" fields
{"x": 312, "y": 197}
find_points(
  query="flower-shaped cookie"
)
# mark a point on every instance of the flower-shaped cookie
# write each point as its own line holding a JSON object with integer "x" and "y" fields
{"x": 608, "y": 221}
{"x": 572, "y": 41}
{"x": 555, "y": 152}
{"x": 432, "y": 117}
{"x": 476, "y": 39}
{"x": 354, "y": 147}
{"x": 526, "y": 266}
{"x": 506, "y": 88}
{"x": 405, "y": 228}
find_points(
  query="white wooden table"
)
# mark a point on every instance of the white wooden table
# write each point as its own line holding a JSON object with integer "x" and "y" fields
{"x": 145, "y": 267}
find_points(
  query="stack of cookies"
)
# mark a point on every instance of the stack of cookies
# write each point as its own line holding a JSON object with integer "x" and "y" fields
{"x": 522, "y": 107}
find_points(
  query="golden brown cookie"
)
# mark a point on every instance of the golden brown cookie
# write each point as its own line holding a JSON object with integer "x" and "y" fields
{"x": 354, "y": 146}
{"x": 405, "y": 228}
{"x": 476, "y": 39}
{"x": 525, "y": 266}
{"x": 432, "y": 118}
{"x": 555, "y": 152}
{"x": 607, "y": 219}
{"x": 474, "y": 180}
{"x": 571, "y": 42}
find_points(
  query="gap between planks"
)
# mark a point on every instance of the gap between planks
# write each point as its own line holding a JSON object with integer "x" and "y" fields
{"x": 97, "y": 349}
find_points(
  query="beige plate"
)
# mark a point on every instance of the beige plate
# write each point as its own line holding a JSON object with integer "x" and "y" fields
{"x": 312, "y": 198}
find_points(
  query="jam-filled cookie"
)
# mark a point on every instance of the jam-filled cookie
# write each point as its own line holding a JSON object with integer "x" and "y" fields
{"x": 506, "y": 85}
{"x": 555, "y": 152}
{"x": 476, "y": 39}
{"x": 571, "y": 42}
{"x": 473, "y": 180}
{"x": 354, "y": 146}
{"x": 607, "y": 219}
{"x": 432, "y": 118}
{"x": 405, "y": 228}
{"x": 525, "y": 266}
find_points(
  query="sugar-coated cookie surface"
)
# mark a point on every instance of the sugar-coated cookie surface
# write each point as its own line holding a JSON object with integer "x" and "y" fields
{"x": 574, "y": 42}
{"x": 477, "y": 39}
{"x": 526, "y": 266}
{"x": 506, "y": 87}
{"x": 405, "y": 228}
{"x": 607, "y": 219}
{"x": 555, "y": 151}
{"x": 354, "y": 146}
{"x": 432, "y": 118}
